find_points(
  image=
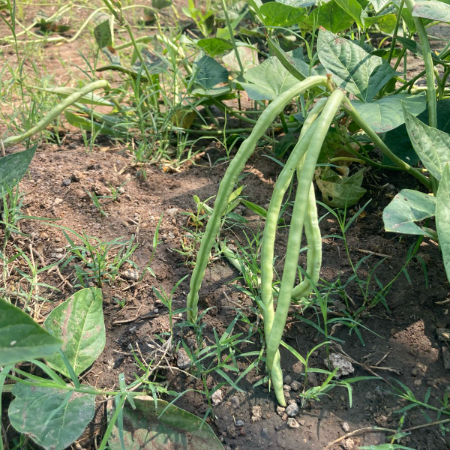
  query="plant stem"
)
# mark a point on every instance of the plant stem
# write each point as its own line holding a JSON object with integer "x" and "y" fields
{"x": 429, "y": 66}
{"x": 233, "y": 42}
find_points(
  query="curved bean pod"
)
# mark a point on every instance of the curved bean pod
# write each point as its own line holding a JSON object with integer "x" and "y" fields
{"x": 226, "y": 186}
{"x": 300, "y": 208}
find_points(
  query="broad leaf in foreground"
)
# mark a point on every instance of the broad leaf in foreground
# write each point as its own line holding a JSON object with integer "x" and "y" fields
{"x": 146, "y": 428}
{"x": 432, "y": 10}
{"x": 79, "y": 323}
{"x": 331, "y": 16}
{"x": 214, "y": 46}
{"x": 400, "y": 143}
{"x": 14, "y": 167}
{"x": 53, "y": 418}
{"x": 280, "y": 15}
{"x": 209, "y": 72}
{"x": 21, "y": 338}
{"x": 248, "y": 56}
{"x": 443, "y": 217}
{"x": 268, "y": 80}
{"x": 431, "y": 144}
{"x": 386, "y": 113}
{"x": 407, "y": 208}
{"x": 353, "y": 69}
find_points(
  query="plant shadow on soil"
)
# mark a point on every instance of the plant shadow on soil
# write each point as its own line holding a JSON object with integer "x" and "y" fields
{"x": 408, "y": 339}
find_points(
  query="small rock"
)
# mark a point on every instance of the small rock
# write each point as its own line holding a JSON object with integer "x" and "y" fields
{"x": 302, "y": 422}
{"x": 130, "y": 274}
{"x": 284, "y": 417}
{"x": 298, "y": 367}
{"x": 295, "y": 385}
{"x": 341, "y": 363}
{"x": 240, "y": 423}
{"x": 287, "y": 379}
{"x": 312, "y": 379}
{"x": 231, "y": 431}
{"x": 345, "y": 426}
{"x": 292, "y": 423}
{"x": 287, "y": 387}
{"x": 349, "y": 444}
{"x": 443, "y": 334}
{"x": 217, "y": 397}
{"x": 76, "y": 176}
{"x": 56, "y": 255}
{"x": 66, "y": 182}
{"x": 155, "y": 311}
{"x": 287, "y": 394}
{"x": 292, "y": 410}
{"x": 183, "y": 361}
{"x": 265, "y": 433}
{"x": 171, "y": 211}
{"x": 58, "y": 201}
{"x": 446, "y": 357}
{"x": 234, "y": 401}
{"x": 280, "y": 410}
{"x": 256, "y": 413}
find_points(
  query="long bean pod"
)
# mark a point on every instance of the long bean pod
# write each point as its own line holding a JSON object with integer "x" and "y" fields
{"x": 226, "y": 186}
{"x": 56, "y": 111}
{"x": 300, "y": 209}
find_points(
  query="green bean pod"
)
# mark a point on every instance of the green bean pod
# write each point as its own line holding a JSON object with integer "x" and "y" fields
{"x": 300, "y": 209}
{"x": 226, "y": 186}
{"x": 56, "y": 111}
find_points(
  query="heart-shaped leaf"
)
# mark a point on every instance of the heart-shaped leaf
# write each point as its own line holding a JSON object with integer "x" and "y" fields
{"x": 21, "y": 338}
{"x": 339, "y": 191}
{"x": 248, "y": 56}
{"x": 353, "y": 9}
{"x": 432, "y": 10}
{"x": 431, "y": 145}
{"x": 386, "y": 113}
{"x": 353, "y": 69}
{"x": 146, "y": 428}
{"x": 398, "y": 139}
{"x": 280, "y": 15}
{"x": 268, "y": 80}
{"x": 443, "y": 217}
{"x": 407, "y": 208}
{"x": 79, "y": 323}
{"x": 53, "y": 418}
{"x": 14, "y": 167}
{"x": 330, "y": 16}
{"x": 214, "y": 46}
{"x": 209, "y": 72}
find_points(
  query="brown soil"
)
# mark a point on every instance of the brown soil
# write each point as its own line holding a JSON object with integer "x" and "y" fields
{"x": 405, "y": 342}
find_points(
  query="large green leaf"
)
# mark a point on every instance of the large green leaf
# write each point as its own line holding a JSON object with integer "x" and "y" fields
{"x": 352, "y": 8}
{"x": 443, "y": 217}
{"x": 379, "y": 4}
{"x": 209, "y": 72}
{"x": 145, "y": 428}
{"x": 268, "y": 80}
{"x": 386, "y": 113}
{"x": 398, "y": 140}
{"x": 280, "y": 15}
{"x": 339, "y": 191}
{"x": 432, "y": 10}
{"x": 53, "y": 418}
{"x": 79, "y": 323}
{"x": 353, "y": 69}
{"x": 14, "y": 167}
{"x": 103, "y": 35}
{"x": 214, "y": 46}
{"x": 431, "y": 144}
{"x": 248, "y": 56}
{"x": 407, "y": 208}
{"x": 330, "y": 16}
{"x": 21, "y": 338}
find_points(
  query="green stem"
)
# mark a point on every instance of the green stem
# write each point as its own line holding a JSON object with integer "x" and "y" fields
{"x": 233, "y": 42}
{"x": 226, "y": 186}
{"x": 298, "y": 218}
{"x": 56, "y": 111}
{"x": 397, "y": 24}
{"x": 429, "y": 66}
{"x": 383, "y": 147}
